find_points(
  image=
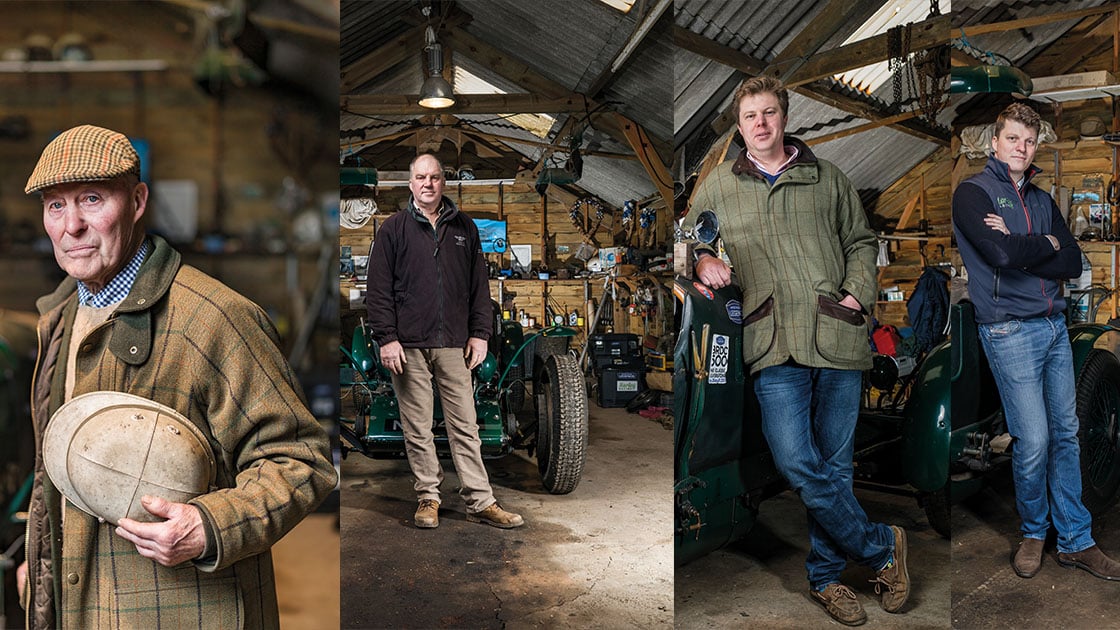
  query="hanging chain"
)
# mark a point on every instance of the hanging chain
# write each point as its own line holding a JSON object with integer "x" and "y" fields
{"x": 908, "y": 62}
{"x": 894, "y": 62}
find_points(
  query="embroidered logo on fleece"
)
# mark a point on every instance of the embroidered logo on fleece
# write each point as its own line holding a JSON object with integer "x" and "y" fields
{"x": 1005, "y": 203}
{"x": 460, "y": 240}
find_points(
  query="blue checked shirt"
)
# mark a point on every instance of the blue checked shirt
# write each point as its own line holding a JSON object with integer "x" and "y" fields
{"x": 117, "y": 289}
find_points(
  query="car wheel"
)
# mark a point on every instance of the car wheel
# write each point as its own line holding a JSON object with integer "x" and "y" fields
{"x": 516, "y": 380}
{"x": 936, "y": 506}
{"x": 561, "y": 423}
{"x": 1098, "y": 407}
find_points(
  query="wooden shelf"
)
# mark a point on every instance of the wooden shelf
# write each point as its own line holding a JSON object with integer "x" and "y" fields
{"x": 56, "y": 67}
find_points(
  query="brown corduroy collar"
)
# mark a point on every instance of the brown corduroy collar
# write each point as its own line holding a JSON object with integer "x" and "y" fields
{"x": 745, "y": 166}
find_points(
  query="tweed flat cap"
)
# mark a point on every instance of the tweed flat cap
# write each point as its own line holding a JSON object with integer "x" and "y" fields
{"x": 83, "y": 154}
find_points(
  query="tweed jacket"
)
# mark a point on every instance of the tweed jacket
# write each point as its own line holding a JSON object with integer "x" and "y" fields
{"x": 797, "y": 247}
{"x": 184, "y": 340}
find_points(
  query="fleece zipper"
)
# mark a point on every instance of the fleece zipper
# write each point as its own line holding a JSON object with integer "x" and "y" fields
{"x": 1030, "y": 230}
{"x": 439, "y": 275}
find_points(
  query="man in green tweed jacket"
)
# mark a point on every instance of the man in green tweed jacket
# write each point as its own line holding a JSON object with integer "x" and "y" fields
{"x": 132, "y": 318}
{"x": 796, "y": 234}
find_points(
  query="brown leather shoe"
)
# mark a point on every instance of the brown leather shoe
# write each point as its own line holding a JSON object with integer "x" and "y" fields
{"x": 1027, "y": 559}
{"x": 893, "y": 580}
{"x": 496, "y": 516}
{"x": 1092, "y": 560}
{"x": 427, "y": 514}
{"x": 841, "y": 603}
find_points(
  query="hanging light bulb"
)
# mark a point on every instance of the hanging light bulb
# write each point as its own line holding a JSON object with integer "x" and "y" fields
{"x": 436, "y": 92}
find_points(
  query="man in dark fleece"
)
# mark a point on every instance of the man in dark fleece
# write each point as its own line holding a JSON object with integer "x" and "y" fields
{"x": 429, "y": 311}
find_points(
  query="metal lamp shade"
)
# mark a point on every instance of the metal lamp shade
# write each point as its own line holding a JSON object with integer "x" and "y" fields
{"x": 436, "y": 93}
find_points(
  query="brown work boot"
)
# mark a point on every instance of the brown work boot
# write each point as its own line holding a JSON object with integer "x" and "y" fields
{"x": 496, "y": 516}
{"x": 1092, "y": 560}
{"x": 841, "y": 603}
{"x": 1027, "y": 559}
{"x": 427, "y": 514}
{"x": 894, "y": 578}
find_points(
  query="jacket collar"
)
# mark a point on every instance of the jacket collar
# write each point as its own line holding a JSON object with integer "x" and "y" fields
{"x": 1001, "y": 171}
{"x": 132, "y": 340}
{"x": 744, "y": 166}
{"x": 449, "y": 210}
{"x": 153, "y": 280}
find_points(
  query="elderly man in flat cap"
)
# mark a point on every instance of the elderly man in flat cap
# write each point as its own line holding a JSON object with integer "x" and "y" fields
{"x": 132, "y": 318}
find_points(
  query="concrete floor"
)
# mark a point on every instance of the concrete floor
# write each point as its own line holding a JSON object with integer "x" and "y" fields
{"x": 601, "y": 556}
{"x": 760, "y": 581}
{"x": 988, "y": 594}
{"x": 306, "y": 565}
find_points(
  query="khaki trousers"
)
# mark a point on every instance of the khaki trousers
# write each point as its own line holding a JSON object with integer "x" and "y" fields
{"x": 416, "y": 401}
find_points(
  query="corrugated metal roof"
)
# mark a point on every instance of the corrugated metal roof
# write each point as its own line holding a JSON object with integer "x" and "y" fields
{"x": 365, "y": 26}
{"x": 875, "y": 159}
{"x": 643, "y": 89}
{"x": 1019, "y": 45}
{"x": 893, "y": 13}
{"x": 762, "y": 29}
{"x": 569, "y": 43}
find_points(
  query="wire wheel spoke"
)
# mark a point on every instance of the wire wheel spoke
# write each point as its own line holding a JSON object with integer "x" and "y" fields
{"x": 1101, "y": 443}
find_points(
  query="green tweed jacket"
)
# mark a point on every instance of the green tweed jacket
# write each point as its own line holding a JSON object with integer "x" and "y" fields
{"x": 185, "y": 340}
{"x": 796, "y": 248}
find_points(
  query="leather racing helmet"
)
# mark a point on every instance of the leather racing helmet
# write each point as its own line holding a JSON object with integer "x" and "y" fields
{"x": 105, "y": 450}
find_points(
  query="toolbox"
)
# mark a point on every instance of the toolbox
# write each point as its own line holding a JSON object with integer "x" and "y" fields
{"x": 616, "y": 350}
{"x": 618, "y": 387}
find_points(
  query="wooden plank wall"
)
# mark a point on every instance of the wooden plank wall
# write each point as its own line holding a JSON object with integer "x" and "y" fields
{"x": 931, "y": 176}
{"x": 517, "y": 203}
{"x": 520, "y": 205}
{"x": 1086, "y": 165}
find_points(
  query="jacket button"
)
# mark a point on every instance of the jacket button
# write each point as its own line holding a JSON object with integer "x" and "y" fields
{"x": 72, "y": 578}
{"x": 133, "y": 350}
{"x": 141, "y": 301}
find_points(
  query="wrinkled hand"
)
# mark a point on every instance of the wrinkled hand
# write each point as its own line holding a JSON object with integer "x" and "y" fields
{"x": 475, "y": 352}
{"x": 392, "y": 357}
{"x": 713, "y": 272}
{"x": 851, "y": 303}
{"x": 21, "y": 579}
{"x": 179, "y": 538}
{"x": 995, "y": 222}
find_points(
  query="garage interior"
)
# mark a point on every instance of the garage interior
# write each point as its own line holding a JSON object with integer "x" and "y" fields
{"x": 233, "y": 111}
{"x": 577, "y": 134}
{"x": 559, "y": 136}
{"x": 905, "y": 165}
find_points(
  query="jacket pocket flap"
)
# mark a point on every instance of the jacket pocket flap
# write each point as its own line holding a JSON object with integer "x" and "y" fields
{"x": 826, "y": 305}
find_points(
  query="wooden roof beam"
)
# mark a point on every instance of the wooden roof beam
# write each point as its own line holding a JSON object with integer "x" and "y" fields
{"x": 406, "y": 105}
{"x": 1034, "y": 20}
{"x": 716, "y": 51}
{"x": 925, "y": 34}
{"x": 407, "y": 44}
{"x": 503, "y": 63}
{"x": 746, "y": 64}
{"x": 647, "y": 154}
{"x": 809, "y": 39}
{"x": 641, "y": 30}
{"x": 851, "y": 131}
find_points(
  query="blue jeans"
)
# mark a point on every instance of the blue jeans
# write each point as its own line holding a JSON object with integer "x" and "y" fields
{"x": 809, "y": 418}
{"x": 1033, "y": 368}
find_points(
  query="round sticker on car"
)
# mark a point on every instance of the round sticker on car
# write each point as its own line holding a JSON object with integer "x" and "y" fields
{"x": 735, "y": 311}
